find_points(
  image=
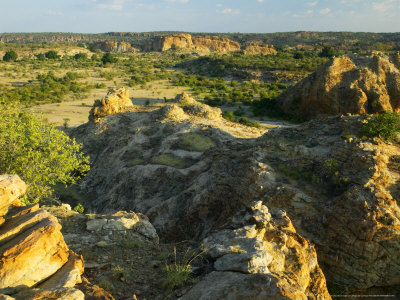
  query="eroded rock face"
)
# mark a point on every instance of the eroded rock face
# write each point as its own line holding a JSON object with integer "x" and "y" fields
{"x": 199, "y": 43}
{"x": 259, "y": 49}
{"x": 115, "y": 101}
{"x": 259, "y": 257}
{"x": 191, "y": 175}
{"x": 357, "y": 85}
{"x": 32, "y": 249}
{"x": 116, "y": 47}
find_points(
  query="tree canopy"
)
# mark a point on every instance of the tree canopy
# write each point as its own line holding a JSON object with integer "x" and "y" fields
{"x": 10, "y": 55}
{"x": 39, "y": 153}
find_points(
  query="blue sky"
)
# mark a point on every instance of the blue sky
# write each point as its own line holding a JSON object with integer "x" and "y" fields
{"x": 93, "y": 16}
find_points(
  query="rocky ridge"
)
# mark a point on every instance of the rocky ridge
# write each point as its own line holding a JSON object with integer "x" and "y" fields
{"x": 347, "y": 84}
{"x": 182, "y": 171}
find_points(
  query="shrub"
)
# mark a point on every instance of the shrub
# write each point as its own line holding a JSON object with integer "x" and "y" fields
{"x": 10, "y": 55}
{"x": 39, "y": 153}
{"x": 108, "y": 58}
{"x": 229, "y": 116}
{"x": 81, "y": 56}
{"x": 385, "y": 126}
{"x": 79, "y": 208}
{"x": 52, "y": 54}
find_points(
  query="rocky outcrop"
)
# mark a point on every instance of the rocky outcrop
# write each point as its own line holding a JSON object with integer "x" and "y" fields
{"x": 188, "y": 42}
{"x": 116, "y": 47}
{"x": 32, "y": 249}
{"x": 195, "y": 108}
{"x": 215, "y": 44}
{"x": 116, "y": 101}
{"x": 257, "y": 256}
{"x": 259, "y": 49}
{"x": 357, "y": 85}
{"x": 191, "y": 174}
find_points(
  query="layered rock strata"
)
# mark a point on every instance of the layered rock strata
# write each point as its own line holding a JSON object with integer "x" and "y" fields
{"x": 33, "y": 253}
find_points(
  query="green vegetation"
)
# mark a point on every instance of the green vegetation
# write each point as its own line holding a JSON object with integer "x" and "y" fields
{"x": 48, "y": 88}
{"x": 327, "y": 51}
{"x": 168, "y": 160}
{"x": 81, "y": 56}
{"x": 179, "y": 272}
{"x": 52, "y": 54}
{"x": 10, "y": 55}
{"x": 196, "y": 142}
{"x": 109, "y": 58}
{"x": 385, "y": 126}
{"x": 79, "y": 208}
{"x": 40, "y": 154}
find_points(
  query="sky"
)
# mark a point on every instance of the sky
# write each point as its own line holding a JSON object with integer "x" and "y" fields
{"x": 257, "y": 16}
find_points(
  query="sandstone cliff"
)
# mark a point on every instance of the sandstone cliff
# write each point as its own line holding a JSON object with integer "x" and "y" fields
{"x": 112, "y": 46}
{"x": 356, "y": 85}
{"x": 196, "y": 43}
{"x": 259, "y": 49}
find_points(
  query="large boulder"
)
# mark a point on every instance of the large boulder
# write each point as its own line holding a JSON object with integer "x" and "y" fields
{"x": 116, "y": 101}
{"x": 347, "y": 84}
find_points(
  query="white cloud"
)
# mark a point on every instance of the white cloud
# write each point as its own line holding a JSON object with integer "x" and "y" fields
{"x": 309, "y": 12}
{"x": 312, "y": 3}
{"x": 325, "y": 11}
{"x": 230, "y": 11}
{"x": 382, "y": 7}
{"x": 113, "y": 5}
{"x": 218, "y": 5}
{"x": 260, "y": 1}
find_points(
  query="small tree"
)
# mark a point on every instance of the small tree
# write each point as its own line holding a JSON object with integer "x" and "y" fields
{"x": 10, "y": 55}
{"x": 327, "y": 52}
{"x": 108, "y": 58}
{"x": 40, "y": 154}
{"x": 52, "y": 54}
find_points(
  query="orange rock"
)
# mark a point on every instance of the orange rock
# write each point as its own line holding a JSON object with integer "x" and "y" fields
{"x": 11, "y": 187}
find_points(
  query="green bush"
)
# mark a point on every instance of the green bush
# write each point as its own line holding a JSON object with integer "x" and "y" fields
{"x": 109, "y": 58}
{"x": 80, "y": 56}
{"x": 40, "y": 154}
{"x": 229, "y": 116}
{"x": 52, "y": 54}
{"x": 10, "y": 55}
{"x": 385, "y": 126}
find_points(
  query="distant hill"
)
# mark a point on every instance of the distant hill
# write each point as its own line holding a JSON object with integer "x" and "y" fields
{"x": 354, "y": 41}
